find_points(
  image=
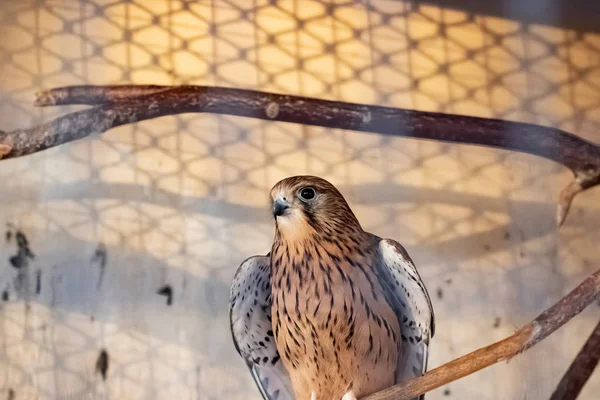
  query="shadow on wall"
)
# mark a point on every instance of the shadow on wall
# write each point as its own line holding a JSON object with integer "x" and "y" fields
{"x": 108, "y": 285}
{"x": 579, "y": 15}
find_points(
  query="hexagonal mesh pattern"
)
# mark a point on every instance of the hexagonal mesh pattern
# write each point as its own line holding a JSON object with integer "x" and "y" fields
{"x": 174, "y": 204}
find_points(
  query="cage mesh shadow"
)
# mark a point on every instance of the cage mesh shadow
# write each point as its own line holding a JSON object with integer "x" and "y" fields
{"x": 179, "y": 202}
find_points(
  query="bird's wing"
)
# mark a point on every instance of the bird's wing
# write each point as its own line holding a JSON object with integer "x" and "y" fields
{"x": 408, "y": 297}
{"x": 250, "y": 319}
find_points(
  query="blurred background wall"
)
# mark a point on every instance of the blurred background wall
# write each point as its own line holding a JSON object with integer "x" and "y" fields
{"x": 175, "y": 204}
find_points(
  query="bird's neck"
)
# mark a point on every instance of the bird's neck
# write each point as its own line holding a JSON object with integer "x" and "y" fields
{"x": 316, "y": 247}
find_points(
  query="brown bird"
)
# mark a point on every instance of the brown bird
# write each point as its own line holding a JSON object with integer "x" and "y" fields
{"x": 332, "y": 312}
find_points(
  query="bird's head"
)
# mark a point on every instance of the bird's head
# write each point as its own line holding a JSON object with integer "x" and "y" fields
{"x": 309, "y": 204}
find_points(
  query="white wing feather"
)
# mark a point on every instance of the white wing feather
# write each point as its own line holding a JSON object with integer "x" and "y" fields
{"x": 250, "y": 318}
{"x": 406, "y": 293}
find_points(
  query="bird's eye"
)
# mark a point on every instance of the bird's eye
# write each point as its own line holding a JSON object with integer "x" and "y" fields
{"x": 307, "y": 194}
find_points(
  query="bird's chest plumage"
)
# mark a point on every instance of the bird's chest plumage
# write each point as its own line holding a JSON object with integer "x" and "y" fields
{"x": 333, "y": 327}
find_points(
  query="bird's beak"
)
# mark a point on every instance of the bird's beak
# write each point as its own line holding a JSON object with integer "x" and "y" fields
{"x": 280, "y": 207}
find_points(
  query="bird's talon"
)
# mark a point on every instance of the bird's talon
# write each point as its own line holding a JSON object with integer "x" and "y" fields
{"x": 349, "y": 396}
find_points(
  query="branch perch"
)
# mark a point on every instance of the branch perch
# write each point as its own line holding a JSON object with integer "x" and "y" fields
{"x": 580, "y": 370}
{"x": 524, "y": 339}
{"x": 126, "y": 104}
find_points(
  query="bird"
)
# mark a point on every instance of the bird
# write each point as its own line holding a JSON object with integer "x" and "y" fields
{"x": 331, "y": 312}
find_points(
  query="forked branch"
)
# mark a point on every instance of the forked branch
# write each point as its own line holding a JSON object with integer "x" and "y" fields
{"x": 126, "y": 104}
{"x": 525, "y": 338}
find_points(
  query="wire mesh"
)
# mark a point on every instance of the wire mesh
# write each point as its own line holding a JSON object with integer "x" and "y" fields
{"x": 178, "y": 202}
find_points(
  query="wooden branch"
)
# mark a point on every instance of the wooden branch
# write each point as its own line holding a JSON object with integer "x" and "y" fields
{"x": 525, "y": 338}
{"x": 580, "y": 370}
{"x": 126, "y": 104}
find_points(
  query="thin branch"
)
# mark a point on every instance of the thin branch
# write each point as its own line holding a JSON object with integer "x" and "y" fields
{"x": 580, "y": 370}
{"x": 525, "y": 338}
{"x": 96, "y": 95}
{"x": 125, "y": 104}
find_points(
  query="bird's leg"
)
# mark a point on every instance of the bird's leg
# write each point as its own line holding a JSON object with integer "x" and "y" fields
{"x": 349, "y": 396}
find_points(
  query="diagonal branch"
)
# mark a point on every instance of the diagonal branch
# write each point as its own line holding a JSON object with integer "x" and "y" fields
{"x": 126, "y": 104}
{"x": 525, "y": 338}
{"x": 580, "y": 370}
